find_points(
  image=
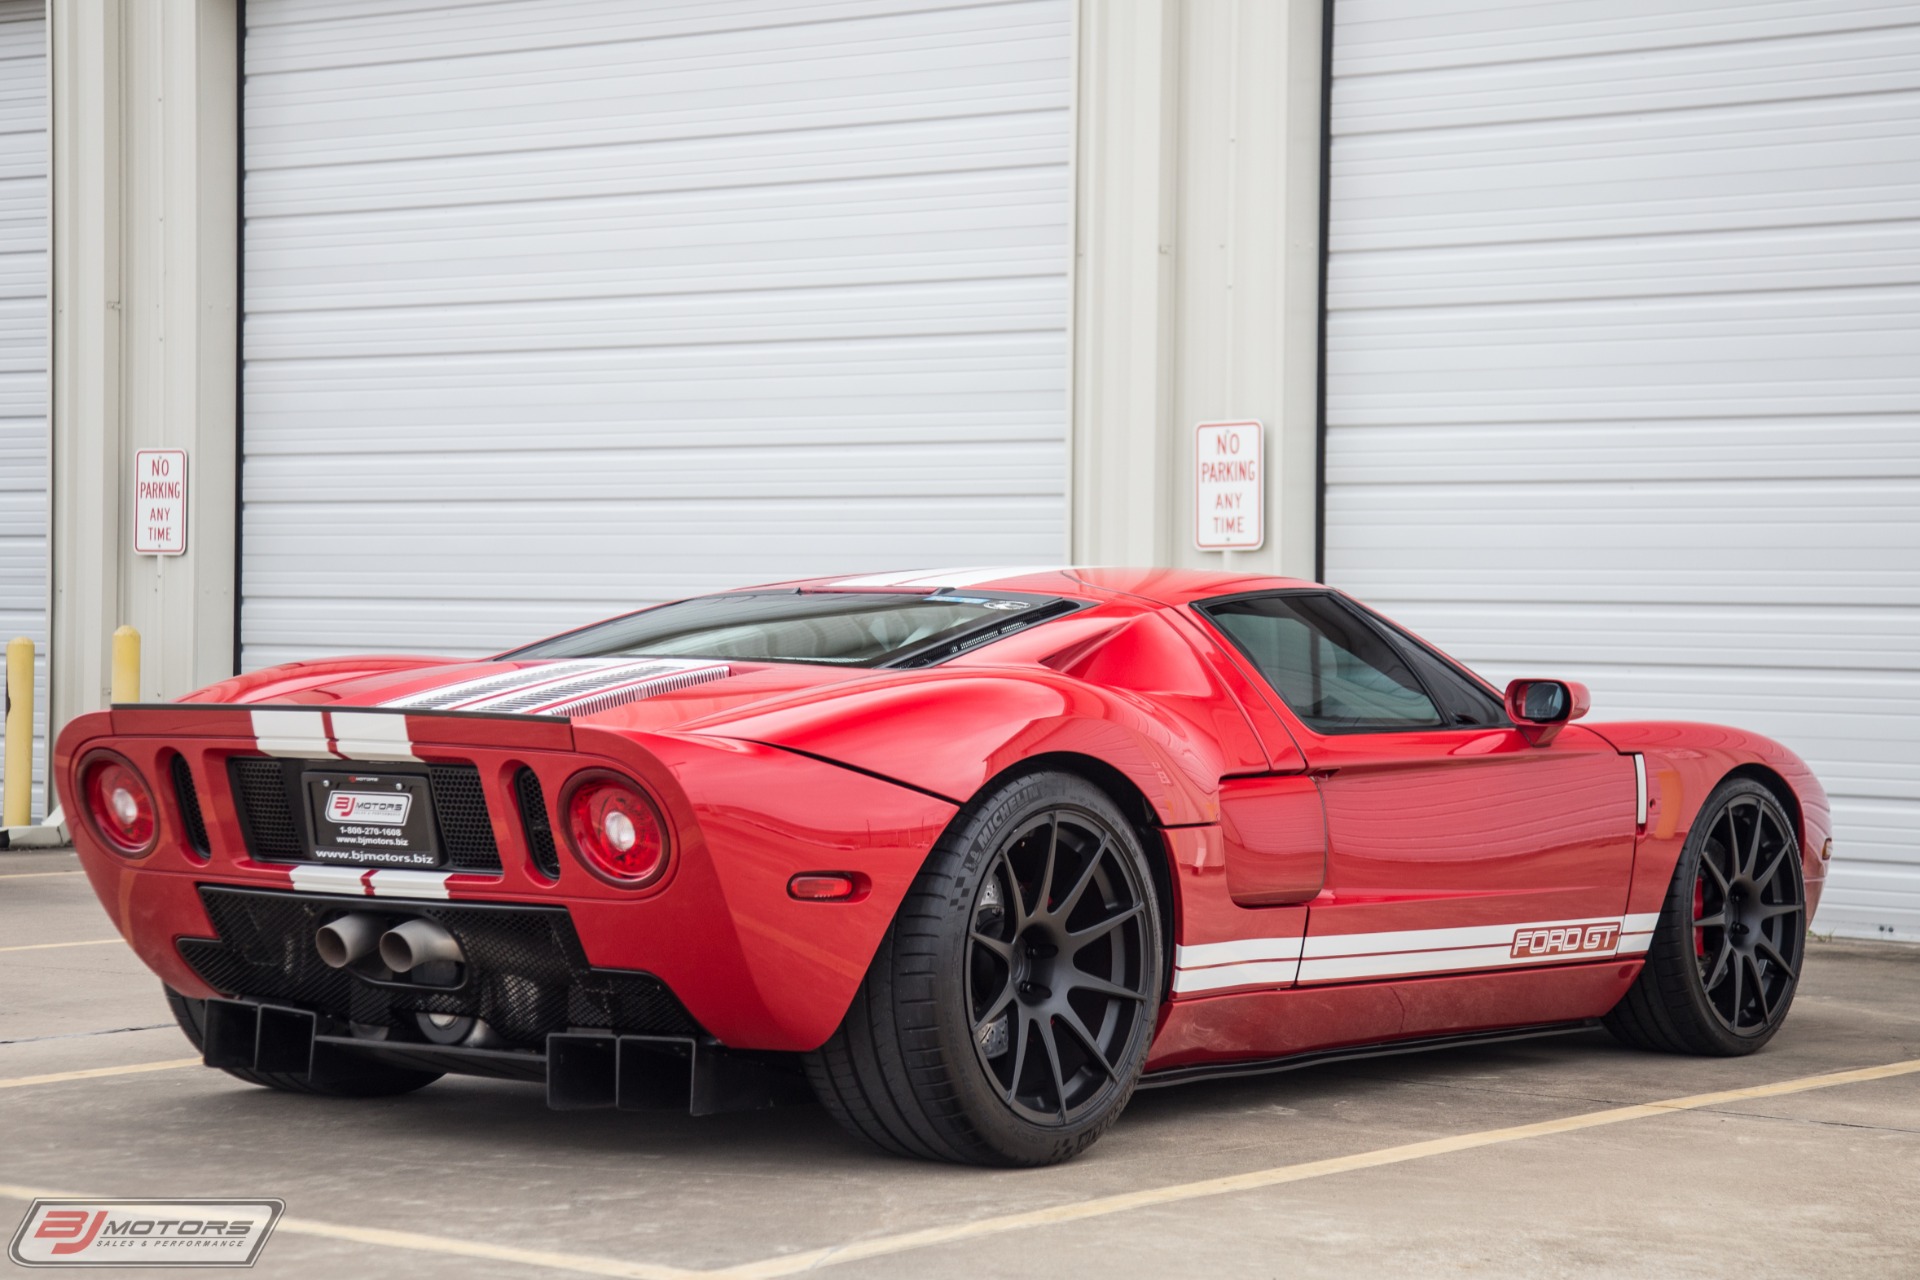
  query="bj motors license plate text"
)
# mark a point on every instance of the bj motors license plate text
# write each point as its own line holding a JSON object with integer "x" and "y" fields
{"x": 375, "y": 820}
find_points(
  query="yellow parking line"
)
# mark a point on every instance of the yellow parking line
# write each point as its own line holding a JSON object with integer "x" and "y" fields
{"x": 53, "y": 946}
{"x": 794, "y": 1263}
{"x": 39, "y": 875}
{"x": 579, "y": 1263}
{"x": 881, "y": 1246}
{"x": 94, "y": 1073}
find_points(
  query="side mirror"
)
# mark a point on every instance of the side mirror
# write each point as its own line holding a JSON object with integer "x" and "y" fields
{"x": 1539, "y": 707}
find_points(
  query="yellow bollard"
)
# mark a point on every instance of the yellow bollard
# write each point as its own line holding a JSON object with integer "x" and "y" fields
{"x": 126, "y": 664}
{"x": 16, "y": 810}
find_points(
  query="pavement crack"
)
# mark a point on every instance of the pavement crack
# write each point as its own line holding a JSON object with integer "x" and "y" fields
{"x": 1507, "y": 1093}
{"x": 1873, "y": 1011}
{"x": 1812, "y": 1120}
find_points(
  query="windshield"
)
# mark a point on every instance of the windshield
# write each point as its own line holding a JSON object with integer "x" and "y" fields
{"x": 838, "y": 628}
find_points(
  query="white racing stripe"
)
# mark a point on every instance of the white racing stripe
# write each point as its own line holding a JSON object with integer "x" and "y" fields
{"x": 1201, "y": 955}
{"x": 1636, "y": 933}
{"x": 325, "y": 879}
{"x": 1209, "y": 966}
{"x": 361, "y": 735}
{"x": 979, "y": 577}
{"x": 1414, "y": 963}
{"x": 890, "y": 579}
{"x": 560, "y": 688}
{"x": 302, "y": 734}
{"x": 448, "y": 695}
{"x": 937, "y": 578}
{"x": 1271, "y": 962}
{"x": 1277, "y": 973}
{"x": 365, "y": 882}
{"x": 1486, "y": 935}
{"x": 644, "y": 685}
{"x": 372, "y": 735}
{"x": 409, "y": 884}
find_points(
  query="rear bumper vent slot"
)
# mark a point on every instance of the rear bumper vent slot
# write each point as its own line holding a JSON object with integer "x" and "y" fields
{"x": 538, "y": 826}
{"x": 189, "y": 800}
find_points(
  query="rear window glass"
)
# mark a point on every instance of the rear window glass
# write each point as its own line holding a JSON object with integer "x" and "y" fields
{"x": 836, "y": 628}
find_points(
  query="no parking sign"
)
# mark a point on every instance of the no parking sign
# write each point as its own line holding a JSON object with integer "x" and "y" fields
{"x": 1230, "y": 486}
{"x": 160, "y": 502}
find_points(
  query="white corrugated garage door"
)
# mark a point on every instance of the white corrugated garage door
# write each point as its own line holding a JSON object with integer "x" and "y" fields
{"x": 557, "y": 307}
{"x": 1624, "y": 369}
{"x": 23, "y": 346}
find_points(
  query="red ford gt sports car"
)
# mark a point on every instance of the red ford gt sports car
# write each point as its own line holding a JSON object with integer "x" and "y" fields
{"x": 973, "y": 854}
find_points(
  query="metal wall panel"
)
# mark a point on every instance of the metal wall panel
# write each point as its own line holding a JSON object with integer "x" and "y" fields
{"x": 559, "y": 307}
{"x": 24, "y": 471}
{"x": 1624, "y": 369}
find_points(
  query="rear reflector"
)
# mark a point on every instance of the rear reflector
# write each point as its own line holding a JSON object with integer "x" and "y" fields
{"x": 822, "y": 886}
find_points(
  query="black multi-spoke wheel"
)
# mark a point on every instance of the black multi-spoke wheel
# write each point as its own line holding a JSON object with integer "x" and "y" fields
{"x": 1748, "y": 918}
{"x": 1726, "y": 954}
{"x": 1057, "y": 965}
{"x": 1006, "y": 1016}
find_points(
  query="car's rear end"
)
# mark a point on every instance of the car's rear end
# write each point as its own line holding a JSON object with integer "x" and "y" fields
{"x": 535, "y": 896}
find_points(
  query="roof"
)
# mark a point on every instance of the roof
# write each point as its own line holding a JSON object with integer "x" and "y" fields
{"x": 1165, "y": 586}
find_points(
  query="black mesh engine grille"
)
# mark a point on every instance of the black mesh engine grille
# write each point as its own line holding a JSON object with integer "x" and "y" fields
{"x": 539, "y": 828}
{"x": 525, "y": 972}
{"x": 268, "y": 788}
{"x": 460, "y": 805}
{"x": 260, "y": 788}
{"x": 189, "y": 801}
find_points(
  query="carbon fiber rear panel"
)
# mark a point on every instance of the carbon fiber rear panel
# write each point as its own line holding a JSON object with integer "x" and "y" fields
{"x": 525, "y": 974}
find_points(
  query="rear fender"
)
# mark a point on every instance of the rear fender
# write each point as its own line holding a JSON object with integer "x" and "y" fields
{"x": 949, "y": 733}
{"x": 758, "y": 967}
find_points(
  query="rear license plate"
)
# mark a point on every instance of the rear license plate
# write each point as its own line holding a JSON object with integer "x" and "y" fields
{"x": 372, "y": 820}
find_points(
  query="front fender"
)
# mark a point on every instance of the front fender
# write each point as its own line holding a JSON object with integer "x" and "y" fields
{"x": 1685, "y": 762}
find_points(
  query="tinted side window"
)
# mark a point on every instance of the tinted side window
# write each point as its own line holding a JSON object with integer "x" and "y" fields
{"x": 1335, "y": 671}
{"x": 1464, "y": 700}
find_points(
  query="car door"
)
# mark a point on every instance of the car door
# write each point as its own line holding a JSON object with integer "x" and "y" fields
{"x": 1453, "y": 844}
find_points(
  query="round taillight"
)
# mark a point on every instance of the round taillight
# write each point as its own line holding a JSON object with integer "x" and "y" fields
{"x": 120, "y": 805}
{"x": 615, "y": 830}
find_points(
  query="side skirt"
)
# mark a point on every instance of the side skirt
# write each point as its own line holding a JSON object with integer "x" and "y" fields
{"x": 1292, "y": 1062}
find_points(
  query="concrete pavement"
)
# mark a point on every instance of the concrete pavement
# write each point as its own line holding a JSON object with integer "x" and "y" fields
{"x": 1817, "y": 1182}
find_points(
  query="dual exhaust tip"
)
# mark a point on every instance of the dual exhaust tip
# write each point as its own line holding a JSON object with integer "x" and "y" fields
{"x": 402, "y": 948}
